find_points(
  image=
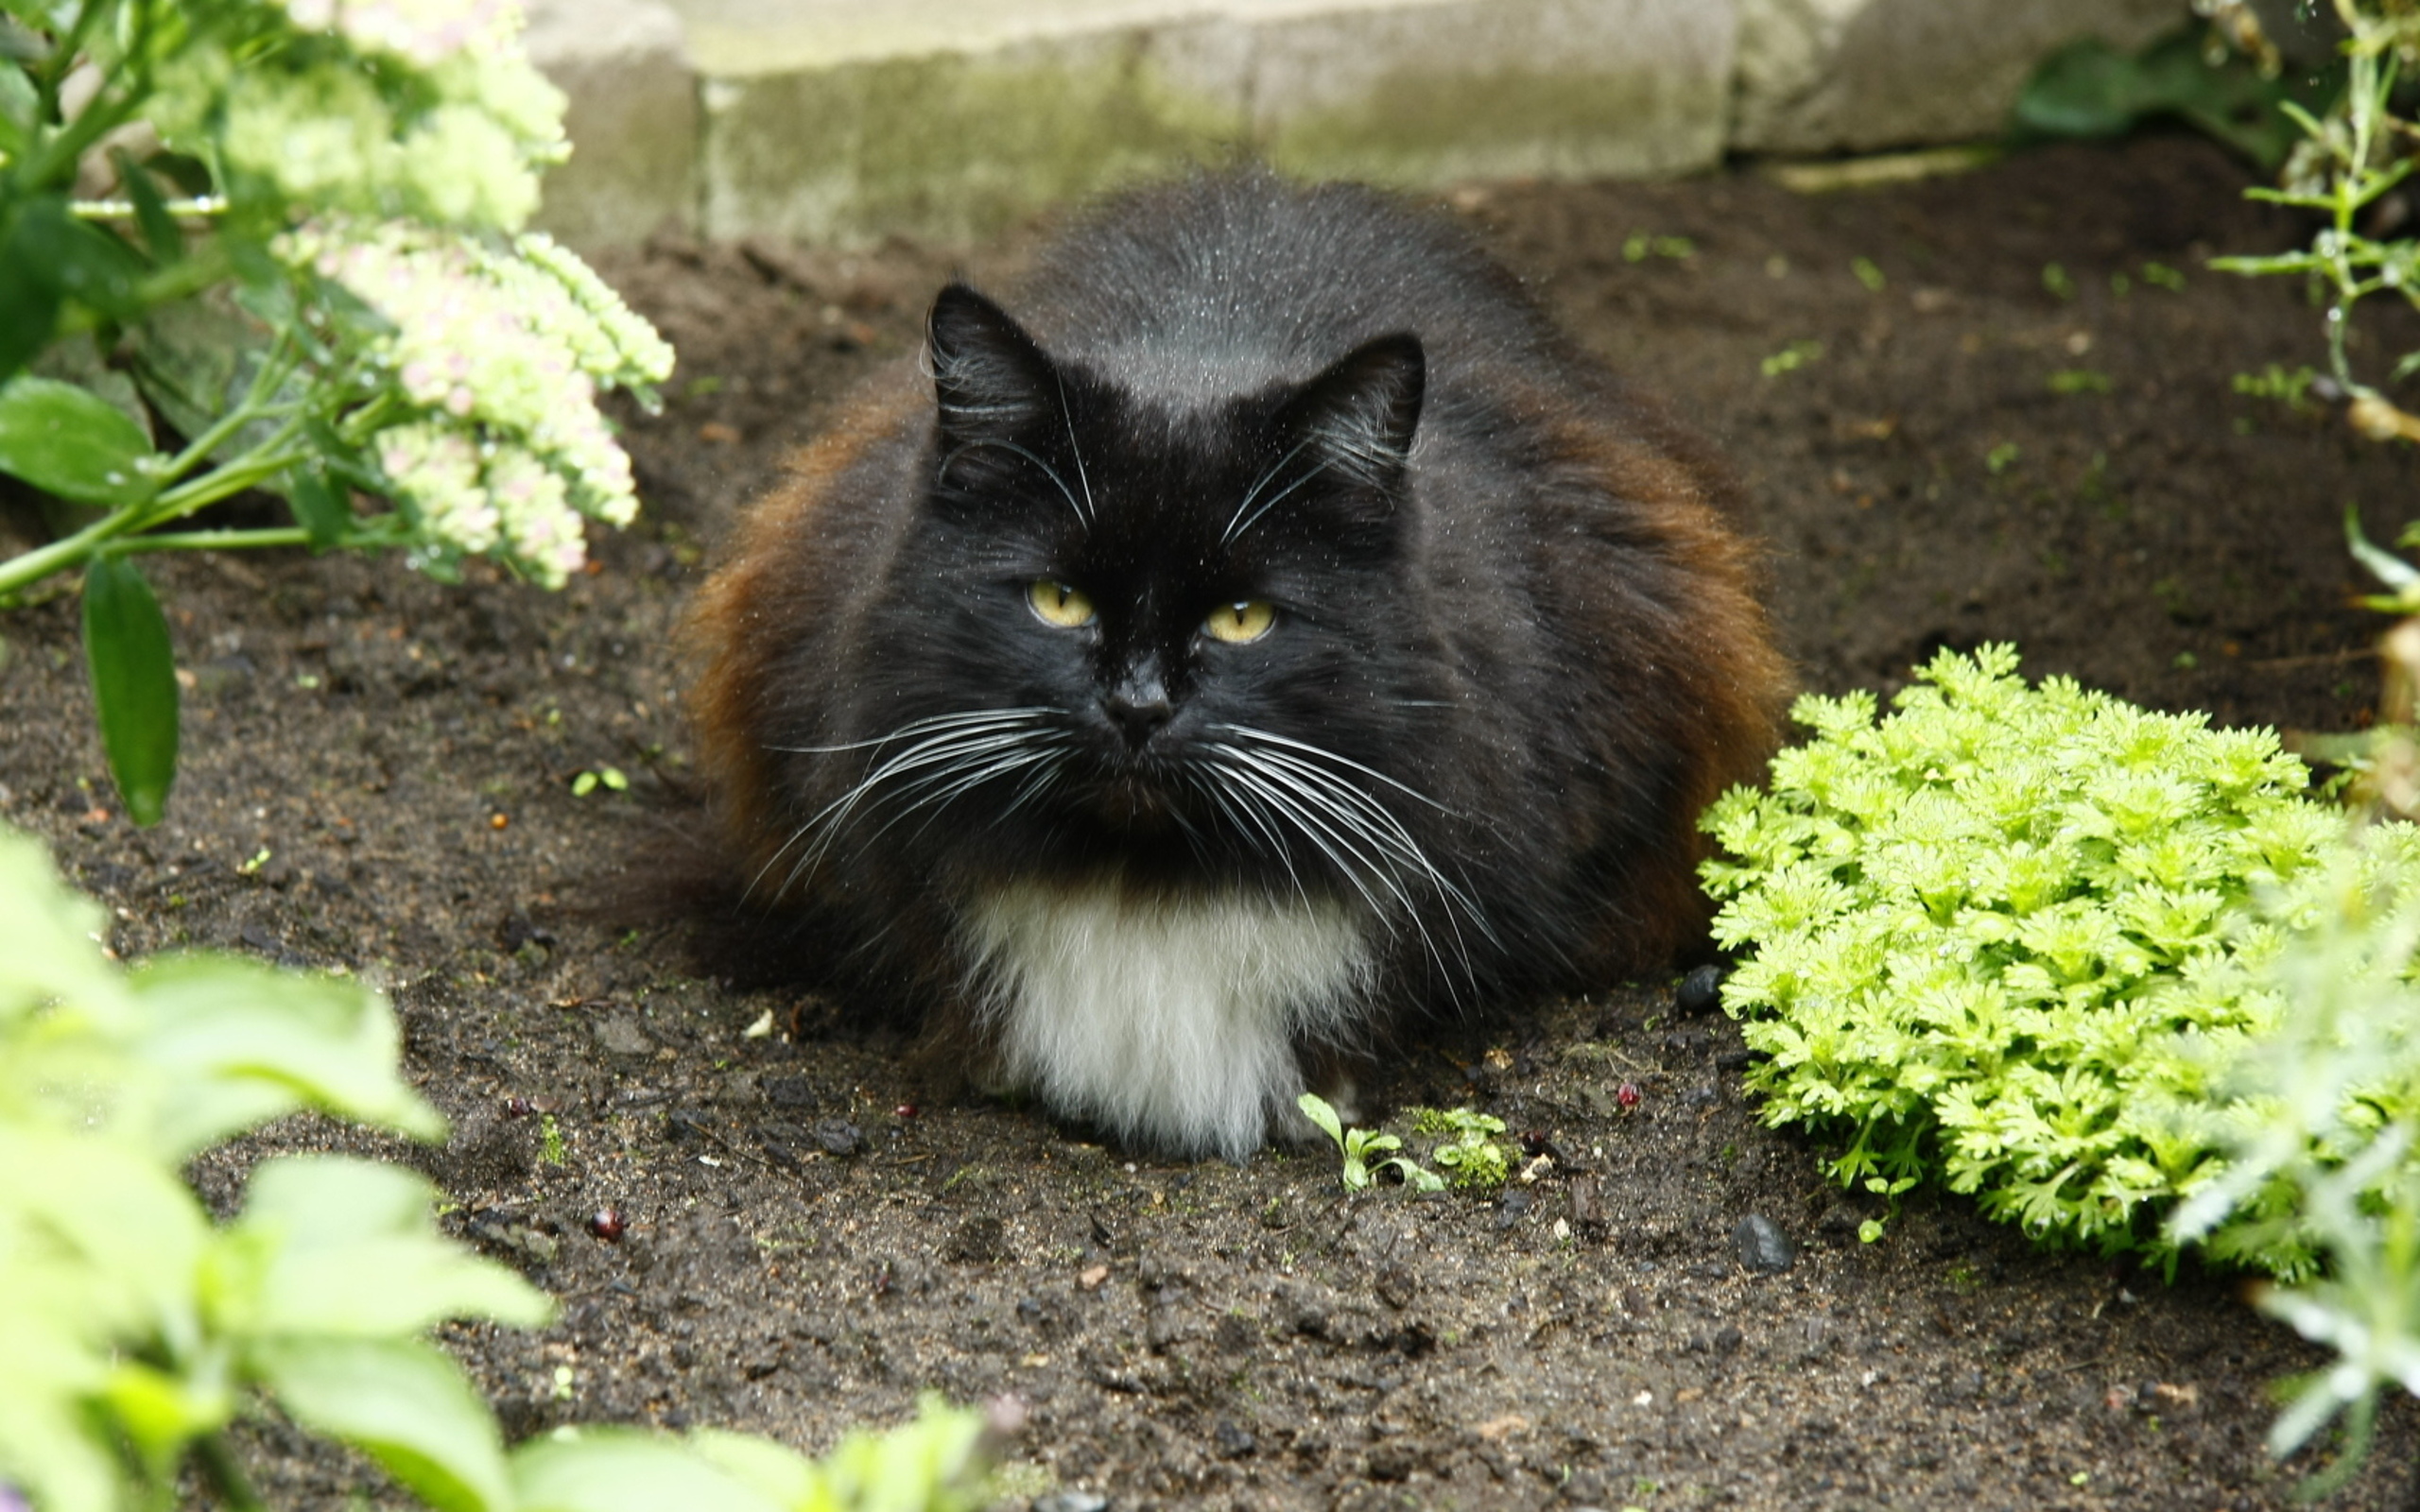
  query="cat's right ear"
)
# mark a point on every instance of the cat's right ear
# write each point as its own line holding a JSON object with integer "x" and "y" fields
{"x": 1362, "y": 410}
{"x": 991, "y": 381}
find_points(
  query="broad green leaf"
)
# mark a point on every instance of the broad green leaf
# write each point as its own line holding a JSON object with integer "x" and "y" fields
{"x": 81, "y": 261}
{"x": 778, "y": 1470}
{"x": 135, "y": 1234}
{"x": 617, "y": 1471}
{"x": 385, "y": 1288}
{"x": 240, "y": 1043}
{"x": 162, "y": 1412}
{"x": 134, "y": 683}
{"x": 28, "y": 303}
{"x": 77, "y": 360}
{"x": 335, "y": 1199}
{"x": 319, "y": 503}
{"x": 44, "y": 1442}
{"x": 404, "y": 1403}
{"x": 352, "y": 1252}
{"x": 47, "y": 935}
{"x": 69, "y": 441}
{"x": 187, "y": 356}
{"x": 1318, "y": 1112}
{"x": 930, "y": 1465}
{"x": 160, "y": 233}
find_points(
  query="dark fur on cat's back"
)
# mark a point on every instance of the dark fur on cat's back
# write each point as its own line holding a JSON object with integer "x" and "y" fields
{"x": 1148, "y": 864}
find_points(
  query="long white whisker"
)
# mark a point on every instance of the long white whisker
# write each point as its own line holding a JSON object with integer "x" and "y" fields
{"x": 1380, "y": 827}
{"x": 1239, "y": 809}
{"x": 1091, "y": 510}
{"x": 1323, "y": 840}
{"x": 1270, "y": 738}
{"x": 1253, "y": 492}
{"x": 1305, "y": 805}
{"x": 1272, "y": 503}
{"x": 920, "y": 727}
{"x": 1047, "y": 471}
{"x": 951, "y": 743}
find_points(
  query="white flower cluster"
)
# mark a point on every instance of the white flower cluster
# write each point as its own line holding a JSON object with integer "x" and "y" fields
{"x": 451, "y": 127}
{"x": 426, "y": 32}
{"x": 499, "y": 355}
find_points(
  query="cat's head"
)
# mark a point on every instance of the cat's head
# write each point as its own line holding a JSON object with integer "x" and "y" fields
{"x": 1137, "y": 627}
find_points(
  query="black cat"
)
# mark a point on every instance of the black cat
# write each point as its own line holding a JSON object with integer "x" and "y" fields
{"x": 1274, "y": 631}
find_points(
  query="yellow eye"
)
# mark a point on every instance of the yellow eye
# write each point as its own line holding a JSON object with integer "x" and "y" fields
{"x": 1238, "y": 623}
{"x": 1055, "y": 603}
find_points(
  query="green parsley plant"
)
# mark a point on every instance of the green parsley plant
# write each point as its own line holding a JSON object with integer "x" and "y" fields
{"x": 2002, "y": 937}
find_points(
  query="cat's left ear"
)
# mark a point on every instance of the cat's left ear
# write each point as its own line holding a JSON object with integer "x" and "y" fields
{"x": 991, "y": 380}
{"x": 1364, "y": 407}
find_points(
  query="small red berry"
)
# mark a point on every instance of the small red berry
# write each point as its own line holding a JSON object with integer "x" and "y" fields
{"x": 1626, "y": 1096}
{"x": 905, "y": 1110}
{"x": 606, "y": 1224}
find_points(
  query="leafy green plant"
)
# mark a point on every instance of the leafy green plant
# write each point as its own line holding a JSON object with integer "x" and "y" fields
{"x": 2350, "y": 154}
{"x": 1791, "y": 358}
{"x": 269, "y": 245}
{"x": 1357, "y": 1146}
{"x": 2320, "y": 1138}
{"x": 2002, "y": 937}
{"x": 2090, "y": 89}
{"x": 1466, "y": 1145}
{"x": 135, "y": 1330}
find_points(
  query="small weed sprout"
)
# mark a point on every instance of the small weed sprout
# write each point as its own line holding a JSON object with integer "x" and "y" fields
{"x": 1791, "y": 358}
{"x": 2290, "y": 387}
{"x": 611, "y": 779}
{"x": 1357, "y": 1146}
{"x": 1468, "y": 1152}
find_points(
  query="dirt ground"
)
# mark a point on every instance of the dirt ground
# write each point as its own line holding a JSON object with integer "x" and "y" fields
{"x": 378, "y": 776}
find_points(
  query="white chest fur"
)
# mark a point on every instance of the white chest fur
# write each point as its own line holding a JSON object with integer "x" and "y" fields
{"x": 1173, "y": 1022}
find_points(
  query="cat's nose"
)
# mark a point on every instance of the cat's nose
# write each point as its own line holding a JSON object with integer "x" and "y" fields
{"x": 1138, "y": 714}
{"x": 1138, "y": 705}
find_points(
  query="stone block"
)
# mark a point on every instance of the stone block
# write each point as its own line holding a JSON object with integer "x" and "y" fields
{"x": 838, "y": 122}
{"x": 1834, "y": 76}
{"x": 633, "y": 119}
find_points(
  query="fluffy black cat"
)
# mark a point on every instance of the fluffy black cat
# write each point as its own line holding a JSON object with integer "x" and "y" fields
{"x": 1258, "y": 632}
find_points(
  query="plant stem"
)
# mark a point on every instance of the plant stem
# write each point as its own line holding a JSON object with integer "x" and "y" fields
{"x": 213, "y": 539}
{"x": 225, "y": 1475}
{"x": 266, "y": 461}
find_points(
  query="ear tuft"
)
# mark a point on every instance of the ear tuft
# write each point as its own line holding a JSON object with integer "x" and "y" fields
{"x": 990, "y": 379}
{"x": 1364, "y": 407}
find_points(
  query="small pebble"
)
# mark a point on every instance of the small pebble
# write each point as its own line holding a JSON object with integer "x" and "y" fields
{"x": 1700, "y": 992}
{"x": 1762, "y": 1246}
{"x": 839, "y": 1136}
{"x": 1071, "y": 1501}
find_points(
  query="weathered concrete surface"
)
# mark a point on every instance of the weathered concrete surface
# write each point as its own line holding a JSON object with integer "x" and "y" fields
{"x": 838, "y": 122}
{"x": 843, "y": 121}
{"x": 633, "y": 118}
{"x": 1828, "y": 76}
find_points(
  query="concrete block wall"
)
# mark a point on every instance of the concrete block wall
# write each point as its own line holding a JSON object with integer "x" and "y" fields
{"x": 842, "y": 121}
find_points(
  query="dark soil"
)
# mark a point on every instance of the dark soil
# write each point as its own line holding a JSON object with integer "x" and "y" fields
{"x": 805, "y": 1250}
